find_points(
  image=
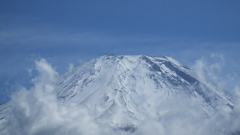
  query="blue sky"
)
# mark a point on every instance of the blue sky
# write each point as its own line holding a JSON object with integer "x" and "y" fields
{"x": 72, "y": 32}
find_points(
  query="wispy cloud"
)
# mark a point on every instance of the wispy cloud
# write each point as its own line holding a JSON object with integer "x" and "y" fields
{"x": 214, "y": 68}
{"x": 28, "y": 36}
{"x": 207, "y": 69}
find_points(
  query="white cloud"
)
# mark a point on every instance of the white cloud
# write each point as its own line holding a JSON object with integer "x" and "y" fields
{"x": 37, "y": 111}
{"x": 209, "y": 69}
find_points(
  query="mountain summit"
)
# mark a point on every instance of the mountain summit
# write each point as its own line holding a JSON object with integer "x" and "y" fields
{"x": 122, "y": 91}
{"x": 128, "y": 94}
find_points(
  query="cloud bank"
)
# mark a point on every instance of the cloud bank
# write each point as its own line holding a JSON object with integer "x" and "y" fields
{"x": 37, "y": 111}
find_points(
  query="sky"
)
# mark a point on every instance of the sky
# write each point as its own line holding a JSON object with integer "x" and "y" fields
{"x": 72, "y": 32}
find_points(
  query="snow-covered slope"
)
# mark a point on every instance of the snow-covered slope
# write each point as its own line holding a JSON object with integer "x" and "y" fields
{"x": 4, "y": 111}
{"x": 123, "y": 90}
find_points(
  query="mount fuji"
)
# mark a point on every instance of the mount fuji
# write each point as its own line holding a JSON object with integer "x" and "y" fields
{"x": 124, "y": 92}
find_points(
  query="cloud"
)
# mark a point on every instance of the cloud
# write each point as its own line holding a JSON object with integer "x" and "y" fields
{"x": 216, "y": 69}
{"x": 37, "y": 111}
{"x": 50, "y": 37}
{"x": 209, "y": 69}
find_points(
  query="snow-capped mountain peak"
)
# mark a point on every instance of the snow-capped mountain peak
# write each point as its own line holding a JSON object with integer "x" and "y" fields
{"x": 117, "y": 95}
{"x": 137, "y": 88}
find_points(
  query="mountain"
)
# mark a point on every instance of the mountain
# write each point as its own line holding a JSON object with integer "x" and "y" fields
{"x": 136, "y": 88}
{"x": 123, "y": 92}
